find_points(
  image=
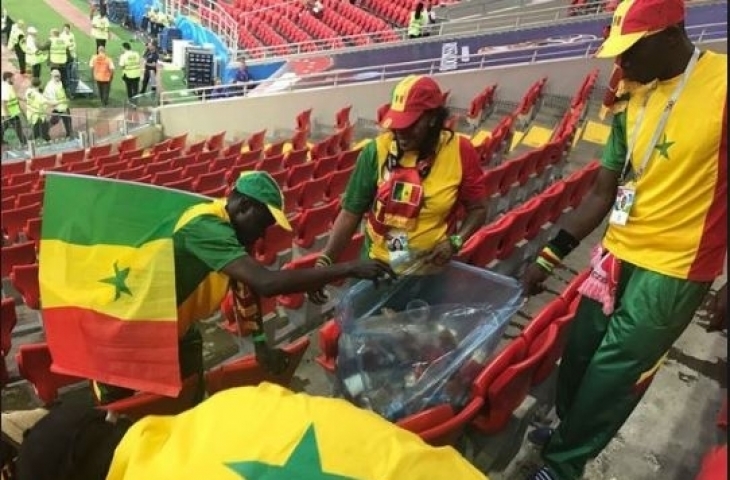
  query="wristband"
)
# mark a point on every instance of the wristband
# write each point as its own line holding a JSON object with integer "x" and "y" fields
{"x": 563, "y": 243}
{"x": 323, "y": 261}
{"x": 259, "y": 338}
{"x": 544, "y": 264}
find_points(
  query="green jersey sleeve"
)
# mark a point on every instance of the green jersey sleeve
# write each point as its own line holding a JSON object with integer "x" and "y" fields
{"x": 363, "y": 182}
{"x": 211, "y": 240}
{"x": 614, "y": 153}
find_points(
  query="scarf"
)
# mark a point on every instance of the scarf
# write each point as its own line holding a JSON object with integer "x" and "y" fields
{"x": 602, "y": 282}
{"x": 243, "y": 304}
{"x": 399, "y": 198}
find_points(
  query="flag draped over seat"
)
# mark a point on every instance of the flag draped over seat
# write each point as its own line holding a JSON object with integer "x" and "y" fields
{"x": 107, "y": 280}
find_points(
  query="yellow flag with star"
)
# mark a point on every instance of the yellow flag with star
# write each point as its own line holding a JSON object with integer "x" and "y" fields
{"x": 107, "y": 280}
{"x": 270, "y": 433}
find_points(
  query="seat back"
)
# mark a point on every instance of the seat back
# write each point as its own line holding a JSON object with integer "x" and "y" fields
{"x": 25, "y": 280}
{"x": 8, "y": 320}
{"x": 18, "y": 254}
{"x": 143, "y": 404}
{"x": 246, "y": 371}
{"x": 34, "y": 364}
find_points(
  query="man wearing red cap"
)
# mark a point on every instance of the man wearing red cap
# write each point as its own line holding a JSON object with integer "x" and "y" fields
{"x": 411, "y": 179}
{"x": 667, "y": 154}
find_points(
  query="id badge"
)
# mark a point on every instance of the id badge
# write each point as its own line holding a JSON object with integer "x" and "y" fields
{"x": 625, "y": 198}
{"x": 398, "y": 251}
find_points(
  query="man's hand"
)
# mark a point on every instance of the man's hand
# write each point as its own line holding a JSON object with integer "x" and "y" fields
{"x": 533, "y": 279}
{"x": 716, "y": 305}
{"x": 319, "y": 297}
{"x": 370, "y": 270}
{"x": 441, "y": 254}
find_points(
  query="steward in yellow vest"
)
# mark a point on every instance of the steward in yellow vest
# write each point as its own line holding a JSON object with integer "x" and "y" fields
{"x": 100, "y": 29}
{"x": 56, "y": 96}
{"x": 58, "y": 55}
{"x": 37, "y": 110}
{"x": 131, "y": 65}
{"x": 11, "y": 111}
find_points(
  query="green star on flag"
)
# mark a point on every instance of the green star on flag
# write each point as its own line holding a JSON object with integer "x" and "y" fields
{"x": 303, "y": 463}
{"x": 663, "y": 147}
{"x": 119, "y": 281}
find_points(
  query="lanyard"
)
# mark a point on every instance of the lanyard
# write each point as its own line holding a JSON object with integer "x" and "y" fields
{"x": 662, "y": 120}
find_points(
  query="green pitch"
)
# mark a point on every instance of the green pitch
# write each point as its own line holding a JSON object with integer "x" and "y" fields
{"x": 39, "y": 14}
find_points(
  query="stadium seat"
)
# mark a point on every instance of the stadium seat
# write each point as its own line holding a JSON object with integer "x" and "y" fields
{"x": 295, "y": 157}
{"x": 299, "y": 174}
{"x": 185, "y": 184}
{"x": 14, "y": 220}
{"x": 132, "y": 174}
{"x": 304, "y": 121}
{"x": 184, "y": 160}
{"x": 276, "y": 242}
{"x": 256, "y": 142}
{"x": 208, "y": 181}
{"x": 328, "y": 335}
{"x": 234, "y": 148}
{"x": 313, "y": 192}
{"x": 246, "y": 370}
{"x": 338, "y": 184}
{"x": 98, "y": 151}
{"x": 552, "y": 344}
{"x": 143, "y": 404}
{"x": 504, "y": 384}
{"x": 111, "y": 170}
{"x": 166, "y": 155}
{"x": 225, "y": 162}
{"x": 134, "y": 153}
{"x": 275, "y": 149}
{"x": 313, "y": 223}
{"x": 126, "y": 145}
{"x": 8, "y": 202}
{"x": 15, "y": 190}
{"x": 196, "y": 148}
{"x": 8, "y": 320}
{"x": 42, "y": 163}
{"x": 195, "y": 170}
{"x": 179, "y": 141}
{"x": 34, "y": 364}
{"x": 166, "y": 176}
{"x": 549, "y": 313}
{"x": 30, "y": 198}
{"x": 216, "y": 141}
{"x": 342, "y": 117}
{"x": 25, "y": 280}
{"x": 13, "y": 168}
{"x": 20, "y": 178}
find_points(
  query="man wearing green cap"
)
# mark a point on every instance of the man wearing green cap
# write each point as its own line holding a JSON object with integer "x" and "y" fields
{"x": 211, "y": 243}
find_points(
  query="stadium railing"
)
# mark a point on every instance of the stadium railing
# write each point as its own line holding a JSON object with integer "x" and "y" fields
{"x": 211, "y": 16}
{"x": 519, "y": 54}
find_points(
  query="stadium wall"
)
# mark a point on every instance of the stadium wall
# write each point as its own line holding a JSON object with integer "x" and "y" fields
{"x": 247, "y": 115}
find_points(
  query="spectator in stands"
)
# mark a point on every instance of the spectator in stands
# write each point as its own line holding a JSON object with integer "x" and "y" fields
{"x": 220, "y": 439}
{"x": 37, "y": 110}
{"x": 317, "y": 9}
{"x": 242, "y": 79}
{"x": 33, "y": 55}
{"x": 100, "y": 28}
{"x": 11, "y": 112}
{"x": 654, "y": 265}
{"x": 156, "y": 22}
{"x": 219, "y": 91}
{"x": 417, "y": 158}
{"x": 430, "y": 14}
{"x": 418, "y": 22}
{"x": 102, "y": 69}
{"x": 16, "y": 42}
{"x": 58, "y": 54}
{"x": 55, "y": 93}
{"x": 213, "y": 239}
{"x": 151, "y": 59}
{"x": 131, "y": 64}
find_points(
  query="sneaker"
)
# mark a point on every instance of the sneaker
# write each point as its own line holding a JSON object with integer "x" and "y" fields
{"x": 540, "y": 436}
{"x": 542, "y": 474}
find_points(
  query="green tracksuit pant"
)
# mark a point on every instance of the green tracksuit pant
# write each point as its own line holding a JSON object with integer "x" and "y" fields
{"x": 609, "y": 361}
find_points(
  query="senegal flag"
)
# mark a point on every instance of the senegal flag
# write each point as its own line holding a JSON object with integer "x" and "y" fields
{"x": 107, "y": 280}
{"x": 270, "y": 433}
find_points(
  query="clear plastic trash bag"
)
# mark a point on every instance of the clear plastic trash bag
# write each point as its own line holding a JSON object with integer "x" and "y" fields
{"x": 420, "y": 341}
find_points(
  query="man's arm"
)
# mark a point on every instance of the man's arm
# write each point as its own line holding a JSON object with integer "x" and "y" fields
{"x": 270, "y": 283}
{"x": 598, "y": 202}
{"x": 357, "y": 200}
{"x": 214, "y": 242}
{"x": 472, "y": 193}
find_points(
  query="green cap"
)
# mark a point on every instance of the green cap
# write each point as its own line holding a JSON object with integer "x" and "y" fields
{"x": 262, "y": 187}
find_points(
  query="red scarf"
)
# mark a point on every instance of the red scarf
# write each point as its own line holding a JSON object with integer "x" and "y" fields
{"x": 602, "y": 283}
{"x": 398, "y": 201}
{"x": 245, "y": 308}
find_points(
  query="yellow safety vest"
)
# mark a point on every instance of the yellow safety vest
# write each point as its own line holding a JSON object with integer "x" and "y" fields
{"x": 58, "y": 52}
{"x": 100, "y": 28}
{"x": 415, "y": 24}
{"x": 70, "y": 42}
{"x": 13, "y": 104}
{"x": 36, "y": 106}
{"x": 132, "y": 64}
{"x": 62, "y": 100}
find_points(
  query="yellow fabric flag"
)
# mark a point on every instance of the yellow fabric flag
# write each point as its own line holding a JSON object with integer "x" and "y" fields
{"x": 268, "y": 432}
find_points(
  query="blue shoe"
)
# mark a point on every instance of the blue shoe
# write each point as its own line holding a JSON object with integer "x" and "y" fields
{"x": 540, "y": 436}
{"x": 542, "y": 474}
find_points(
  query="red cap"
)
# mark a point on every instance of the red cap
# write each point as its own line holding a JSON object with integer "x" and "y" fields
{"x": 635, "y": 19}
{"x": 412, "y": 96}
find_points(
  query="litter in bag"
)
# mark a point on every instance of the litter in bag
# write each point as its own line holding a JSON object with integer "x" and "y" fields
{"x": 422, "y": 340}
